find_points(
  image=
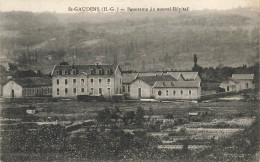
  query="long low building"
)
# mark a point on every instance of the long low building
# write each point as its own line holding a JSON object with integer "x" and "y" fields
{"x": 177, "y": 90}
{"x": 27, "y": 87}
{"x": 147, "y": 84}
{"x": 238, "y": 82}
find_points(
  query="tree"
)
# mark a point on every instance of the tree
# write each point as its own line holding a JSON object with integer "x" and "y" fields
{"x": 139, "y": 117}
{"x": 64, "y": 63}
{"x": 128, "y": 117}
{"x": 104, "y": 116}
{"x": 115, "y": 59}
{"x": 12, "y": 67}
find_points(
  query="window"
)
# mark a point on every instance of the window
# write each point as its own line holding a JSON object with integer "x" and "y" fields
{"x": 128, "y": 89}
{"x": 167, "y": 92}
{"x": 74, "y": 90}
{"x": 74, "y": 81}
{"x": 66, "y": 81}
{"x": 93, "y": 71}
{"x": 58, "y": 81}
{"x": 189, "y": 92}
{"x": 66, "y": 91}
{"x": 159, "y": 93}
{"x": 100, "y": 90}
{"x": 100, "y": 71}
{"x": 82, "y": 89}
{"x": 82, "y": 81}
{"x": 92, "y": 81}
{"x": 227, "y": 88}
{"x": 66, "y": 72}
{"x": 99, "y": 81}
{"x": 108, "y": 91}
{"x": 74, "y": 72}
{"x": 108, "y": 71}
{"x": 57, "y": 72}
{"x": 181, "y": 92}
{"x": 174, "y": 92}
{"x": 92, "y": 91}
{"x": 108, "y": 81}
{"x": 246, "y": 85}
{"x": 123, "y": 88}
{"x": 58, "y": 91}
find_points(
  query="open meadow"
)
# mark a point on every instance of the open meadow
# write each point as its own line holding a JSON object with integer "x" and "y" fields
{"x": 159, "y": 130}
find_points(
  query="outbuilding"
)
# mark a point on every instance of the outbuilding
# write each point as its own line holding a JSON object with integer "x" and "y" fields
{"x": 142, "y": 87}
{"x": 27, "y": 87}
{"x": 177, "y": 90}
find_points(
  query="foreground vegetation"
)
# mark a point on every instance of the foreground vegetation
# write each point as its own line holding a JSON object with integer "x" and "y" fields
{"x": 127, "y": 131}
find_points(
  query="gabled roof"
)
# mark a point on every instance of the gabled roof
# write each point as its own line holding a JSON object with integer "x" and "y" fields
{"x": 30, "y": 82}
{"x": 150, "y": 74}
{"x": 84, "y": 68}
{"x": 152, "y": 79}
{"x": 127, "y": 78}
{"x": 177, "y": 84}
{"x": 234, "y": 80}
{"x": 243, "y": 76}
{"x": 176, "y": 75}
{"x": 188, "y": 76}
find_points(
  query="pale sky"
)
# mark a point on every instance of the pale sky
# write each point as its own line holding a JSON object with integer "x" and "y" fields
{"x": 61, "y": 6}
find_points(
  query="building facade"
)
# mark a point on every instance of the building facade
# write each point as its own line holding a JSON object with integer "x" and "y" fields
{"x": 245, "y": 80}
{"x": 142, "y": 87}
{"x": 177, "y": 90}
{"x": 238, "y": 82}
{"x": 27, "y": 87}
{"x": 74, "y": 80}
{"x": 127, "y": 79}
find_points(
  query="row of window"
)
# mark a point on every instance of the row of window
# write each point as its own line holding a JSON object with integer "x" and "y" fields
{"x": 37, "y": 91}
{"x": 101, "y": 71}
{"x": 92, "y": 72}
{"x": 173, "y": 92}
{"x": 128, "y": 89}
{"x": 82, "y": 81}
{"x": 82, "y": 90}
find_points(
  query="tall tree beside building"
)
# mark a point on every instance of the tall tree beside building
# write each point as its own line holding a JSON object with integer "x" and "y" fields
{"x": 115, "y": 59}
{"x": 196, "y": 67}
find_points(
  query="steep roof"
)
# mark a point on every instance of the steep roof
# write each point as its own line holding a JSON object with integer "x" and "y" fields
{"x": 30, "y": 82}
{"x": 150, "y": 74}
{"x": 232, "y": 79}
{"x": 152, "y": 79}
{"x": 177, "y": 84}
{"x": 243, "y": 76}
{"x": 127, "y": 78}
{"x": 84, "y": 68}
{"x": 188, "y": 76}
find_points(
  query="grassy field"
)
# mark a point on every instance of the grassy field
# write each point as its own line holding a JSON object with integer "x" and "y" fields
{"x": 86, "y": 110}
{"x": 228, "y": 118}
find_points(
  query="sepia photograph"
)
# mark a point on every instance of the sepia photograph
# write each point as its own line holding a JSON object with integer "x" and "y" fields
{"x": 129, "y": 80}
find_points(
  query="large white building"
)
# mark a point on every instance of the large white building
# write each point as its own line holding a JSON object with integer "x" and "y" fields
{"x": 74, "y": 80}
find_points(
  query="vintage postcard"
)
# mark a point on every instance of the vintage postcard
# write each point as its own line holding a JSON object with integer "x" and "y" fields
{"x": 129, "y": 80}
